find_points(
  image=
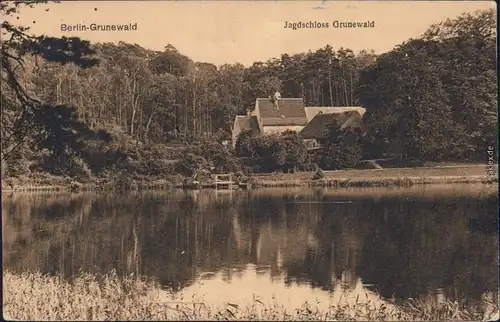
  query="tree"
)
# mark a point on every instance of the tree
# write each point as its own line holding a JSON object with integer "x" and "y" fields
{"x": 242, "y": 147}
{"x": 190, "y": 163}
{"x": 23, "y": 120}
{"x": 468, "y": 50}
{"x": 279, "y": 152}
{"x": 294, "y": 151}
{"x": 420, "y": 98}
{"x": 65, "y": 137}
{"x": 342, "y": 149}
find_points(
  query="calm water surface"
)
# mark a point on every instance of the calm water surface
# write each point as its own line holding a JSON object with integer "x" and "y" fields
{"x": 436, "y": 242}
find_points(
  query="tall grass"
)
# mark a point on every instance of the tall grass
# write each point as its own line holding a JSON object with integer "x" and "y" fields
{"x": 371, "y": 182}
{"x": 32, "y": 296}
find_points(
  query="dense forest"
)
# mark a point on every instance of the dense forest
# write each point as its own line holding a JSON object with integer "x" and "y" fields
{"x": 163, "y": 97}
{"x": 78, "y": 109}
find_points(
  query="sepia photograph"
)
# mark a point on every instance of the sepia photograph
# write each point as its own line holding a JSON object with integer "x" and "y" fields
{"x": 249, "y": 160}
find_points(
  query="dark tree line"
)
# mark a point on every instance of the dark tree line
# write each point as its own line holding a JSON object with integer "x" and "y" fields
{"x": 436, "y": 97}
{"x": 429, "y": 98}
{"x": 164, "y": 96}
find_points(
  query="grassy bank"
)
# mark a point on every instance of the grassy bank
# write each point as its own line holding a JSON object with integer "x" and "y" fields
{"x": 374, "y": 182}
{"x": 47, "y": 183}
{"x": 31, "y": 296}
{"x": 394, "y": 177}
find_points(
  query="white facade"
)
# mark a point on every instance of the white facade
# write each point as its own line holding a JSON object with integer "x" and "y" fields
{"x": 280, "y": 129}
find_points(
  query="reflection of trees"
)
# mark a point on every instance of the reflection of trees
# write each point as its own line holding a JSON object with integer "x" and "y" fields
{"x": 421, "y": 245}
{"x": 35, "y": 231}
{"x": 336, "y": 253}
{"x": 144, "y": 234}
{"x": 273, "y": 231}
{"x": 402, "y": 247}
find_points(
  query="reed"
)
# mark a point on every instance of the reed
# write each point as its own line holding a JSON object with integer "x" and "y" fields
{"x": 33, "y": 296}
{"x": 372, "y": 182}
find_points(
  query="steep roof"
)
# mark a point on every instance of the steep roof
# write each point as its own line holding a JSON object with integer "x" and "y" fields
{"x": 317, "y": 128}
{"x": 245, "y": 123}
{"x": 312, "y": 111}
{"x": 290, "y": 111}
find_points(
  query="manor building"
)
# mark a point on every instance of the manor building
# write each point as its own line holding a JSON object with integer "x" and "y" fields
{"x": 276, "y": 115}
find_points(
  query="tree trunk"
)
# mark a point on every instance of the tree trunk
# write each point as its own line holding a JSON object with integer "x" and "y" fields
{"x": 149, "y": 123}
{"x": 352, "y": 95}
{"x": 346, "y": 99}
{"x": 337, "y": 94}
{"x": 330, "y": 85}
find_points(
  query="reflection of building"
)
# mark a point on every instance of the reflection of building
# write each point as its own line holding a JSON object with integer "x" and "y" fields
{"x": 289, "y": 244}
{"x": 274, "y": 246}
{"x": 348, "y": 280}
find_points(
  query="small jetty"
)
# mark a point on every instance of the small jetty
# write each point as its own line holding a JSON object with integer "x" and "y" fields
{"x": 219, "y": 182}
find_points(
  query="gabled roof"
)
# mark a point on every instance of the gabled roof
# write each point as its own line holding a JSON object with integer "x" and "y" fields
{"x": 318, "y": 127}
{"x": 312, "y": 111}
{"x": 290, "y": 111}
{"x": 245, "y": 123}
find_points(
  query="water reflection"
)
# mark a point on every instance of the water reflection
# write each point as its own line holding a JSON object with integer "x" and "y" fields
{"x": 256, "y": 285}
{"x": 397, "y": 243}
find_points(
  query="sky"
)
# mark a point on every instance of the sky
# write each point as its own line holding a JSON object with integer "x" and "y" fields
{"x": 246, "y": 31}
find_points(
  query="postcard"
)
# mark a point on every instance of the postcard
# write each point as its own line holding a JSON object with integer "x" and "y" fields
{"x": 249, "y": 160}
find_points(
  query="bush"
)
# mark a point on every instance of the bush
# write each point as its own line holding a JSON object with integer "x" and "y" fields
{"x": 79, "y": 169}
{"x": 240, "y": 177}
{"x": 18, "y": 164}
{"x": 273, "y": 152}
{"x": 123, "y": 182}
{"x": 242, "y": 146}
{"x": 318, "y": 175}
{"x": 76, "y": 186}
{"x": 224, "y": 161}
{"x": 190, "y": 163}
{"x": 343, "y": 149}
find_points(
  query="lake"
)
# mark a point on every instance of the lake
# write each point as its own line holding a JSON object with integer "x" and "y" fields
{"x": 286, "y": 245}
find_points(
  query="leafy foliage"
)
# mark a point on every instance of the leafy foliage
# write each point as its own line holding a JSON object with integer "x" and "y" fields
{"x": 342, "y": 149}
{"x": 318, "y": 175}
{"x": 26, "y": 119}
{"x": 190, "y": 163}
{"x": 278, "y": 152}
{"x": 435, "y": 98}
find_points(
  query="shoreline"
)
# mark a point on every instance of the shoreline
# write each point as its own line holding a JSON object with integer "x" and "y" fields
{"x": 76, "y": 186}
{"x": 376, "y": 182}
{"x": 390, "y": 177}
{"x": 395, "y": 182}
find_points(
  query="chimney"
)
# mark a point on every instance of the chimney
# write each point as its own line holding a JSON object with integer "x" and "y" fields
{"x": 276, "y": 98}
